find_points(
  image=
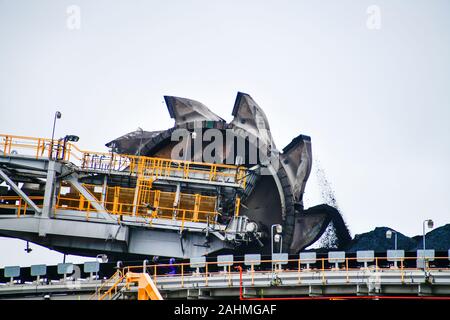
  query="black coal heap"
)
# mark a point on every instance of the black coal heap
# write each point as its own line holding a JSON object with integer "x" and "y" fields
{"x": 437, "y": 239}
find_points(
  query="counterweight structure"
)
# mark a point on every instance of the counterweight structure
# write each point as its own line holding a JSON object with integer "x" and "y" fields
{"x": 199, "y": 188}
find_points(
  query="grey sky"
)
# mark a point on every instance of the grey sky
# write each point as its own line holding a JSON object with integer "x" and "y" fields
{"x": 375, "y": 102}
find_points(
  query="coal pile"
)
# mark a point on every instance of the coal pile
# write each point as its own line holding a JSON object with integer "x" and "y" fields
{"x": 437, "y": 239}
{"x": 376, "y": 240}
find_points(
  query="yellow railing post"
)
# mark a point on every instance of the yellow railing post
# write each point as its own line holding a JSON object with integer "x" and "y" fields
{"x": 156, "y": 200}
{"x": 38, "y": 148}
{"x": 182, "y": 275}
{"x": 81, "y": 203}
{"x": 402, "y": 271}
{"x": 6, "y": 145}
{"x": 211, "y": 173}
{"x": 68, "y": 152}
{"x": 88, "y": 210}
{"x": 196, "y": 207}
{"x": 237, "y": 207}
{"x": 183, "y": 220}
{"x": 116, "y": 199}
{"x": 10, "y": 144}
{"x": 20, "y": 208}
{"x": 323, "y": 270}
{"x": 169, "y": 169}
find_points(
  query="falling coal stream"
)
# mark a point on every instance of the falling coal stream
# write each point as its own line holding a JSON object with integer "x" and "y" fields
{"x": 337, "y": 234}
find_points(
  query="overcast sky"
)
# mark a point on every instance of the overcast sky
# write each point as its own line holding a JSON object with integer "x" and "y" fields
{"x": 367, "y": 80}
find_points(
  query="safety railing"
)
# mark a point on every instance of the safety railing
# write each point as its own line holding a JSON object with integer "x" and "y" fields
{"x": 147, "y": 290}
{"x": 183, "y": 272}
{"x": 110, "y": 287}
{"x": 126, "y": 209}
{"x": 143, "y": 167}
{"x": 245, "y": 274}
{"x": 36, "y": 147}
{"x": 155, "y": 204}
{"x": 162, "y": 168}
{"x": 191, "y": 208}
{"x": 18, "y": 204}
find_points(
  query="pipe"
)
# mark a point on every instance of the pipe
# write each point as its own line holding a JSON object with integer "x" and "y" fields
{"x": 240, "y": 283}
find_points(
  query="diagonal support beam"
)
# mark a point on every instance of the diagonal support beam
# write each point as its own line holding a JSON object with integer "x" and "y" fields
{"x": 16, "y": 188}
{"x": 73, "y": 179}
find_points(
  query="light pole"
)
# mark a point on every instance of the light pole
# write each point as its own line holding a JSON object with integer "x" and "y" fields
{"x": 57, "y": 116}
{"x": 279, "y": 229}
{"x": 140, "y": 143}
{"x": 277, "y": 238}
{"x": 389, "y": 236}
{"x": 430, "y": 225}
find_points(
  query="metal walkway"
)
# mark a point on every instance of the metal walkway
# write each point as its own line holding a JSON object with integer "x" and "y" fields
{"x": 254, "y": 278}
{"x": 74, "y": 200}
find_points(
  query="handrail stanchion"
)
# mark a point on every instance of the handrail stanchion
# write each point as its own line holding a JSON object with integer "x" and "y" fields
{"x": 241, "y": 284}
{"x": 346, "y": 269}
{"x": 298, "y": 271}
{"x": 20, "y": 207}
{"x": 402, "y": 271}
{"x": 323, "y": 270}
{"x": 206, "y": 274}
{"x": 252, "y": 270}
{"x": 182, "y": 275}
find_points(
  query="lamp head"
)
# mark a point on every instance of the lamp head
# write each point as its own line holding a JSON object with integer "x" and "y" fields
{"x": 277, "y": 238}
{"x": 251, "y": 227}
{"x": 430, "y": 224}
{"x": 389, "y": 234}
{"x": 279, "y": 228}
{"x": 71, "y": 138}
{"x": 58, "y": 115}
{"x": 103, "y": 257}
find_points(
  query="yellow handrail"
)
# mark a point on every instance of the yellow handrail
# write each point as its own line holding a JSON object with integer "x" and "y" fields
{"x": 147, "y": 169}
{"x": 321, "y": 270}
{"x": 141, "y": 166}
{"x": 117, "y": 277}
{"x": 195, "y": 207}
